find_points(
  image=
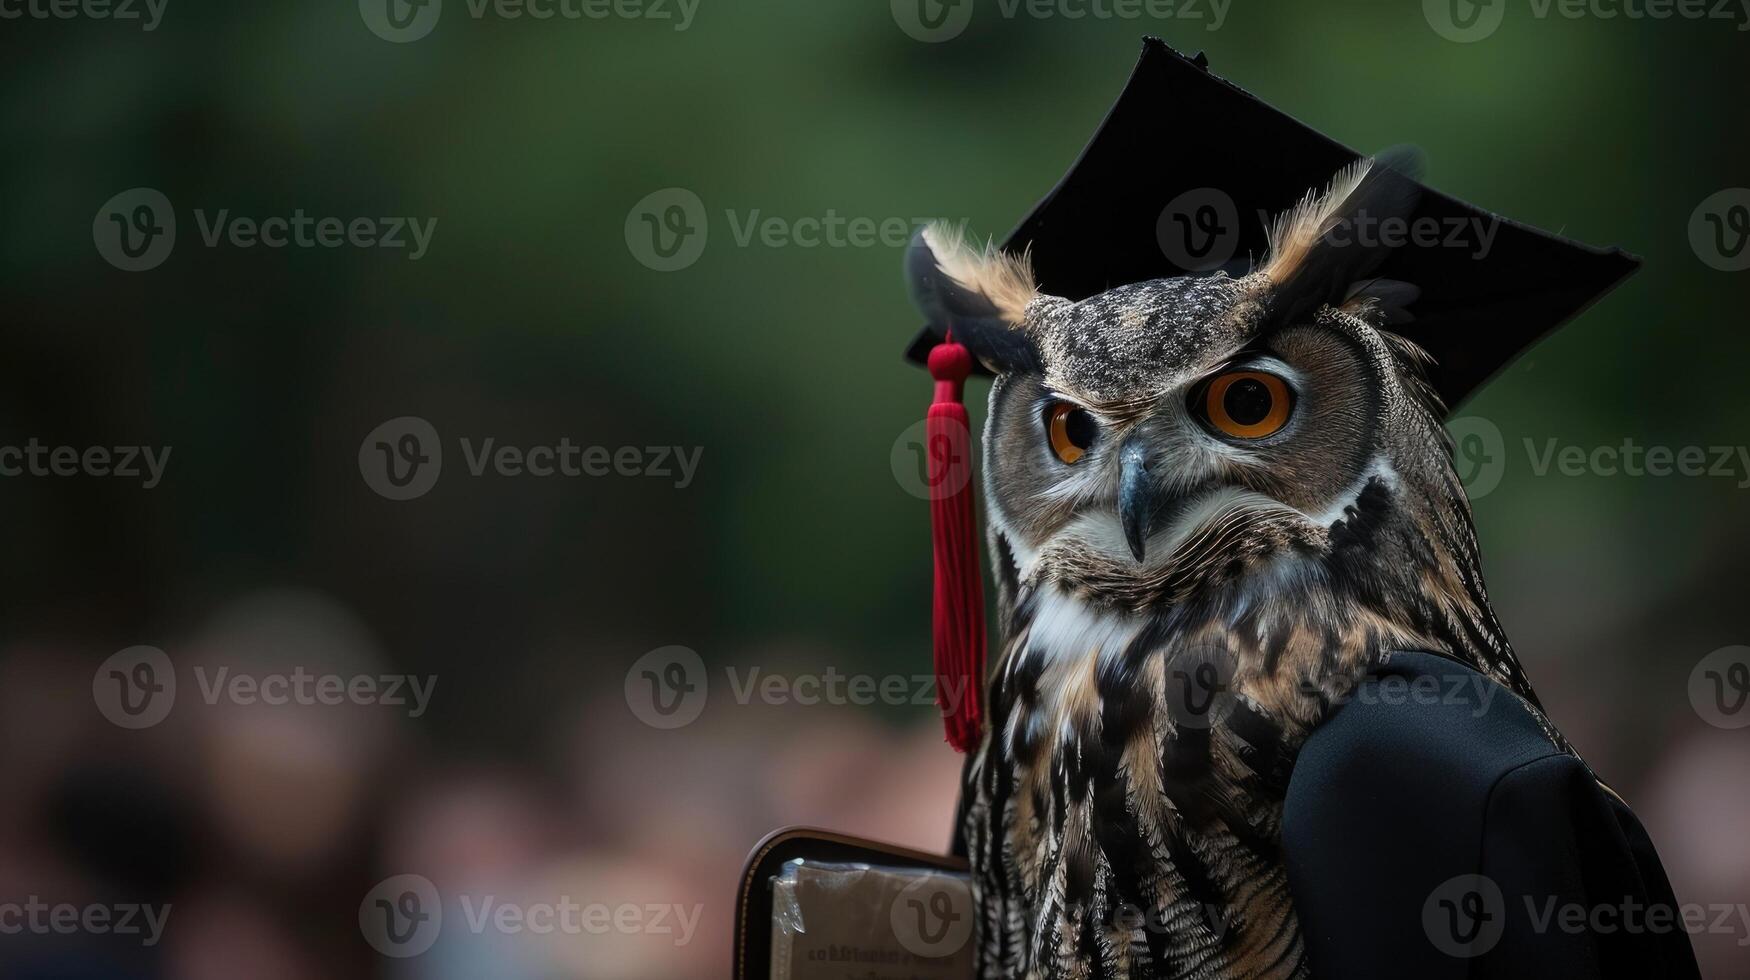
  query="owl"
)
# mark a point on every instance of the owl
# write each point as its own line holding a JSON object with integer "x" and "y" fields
{"x": 1214, "y": 503}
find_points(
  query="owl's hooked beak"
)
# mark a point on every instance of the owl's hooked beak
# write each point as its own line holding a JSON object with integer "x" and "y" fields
{"x": 1136, "y": 498}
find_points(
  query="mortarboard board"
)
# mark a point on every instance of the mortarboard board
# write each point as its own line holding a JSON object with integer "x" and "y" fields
{"x": 1179, "y": 136}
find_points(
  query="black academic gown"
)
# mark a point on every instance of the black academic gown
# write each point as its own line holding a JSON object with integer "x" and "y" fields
{"x": 1431, "y": 830}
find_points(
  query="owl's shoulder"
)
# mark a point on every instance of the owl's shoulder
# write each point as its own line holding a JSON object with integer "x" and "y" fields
{"x": 1409, "y": 762}
{"x": 1433, "y": 779}
{"x": 1422, "y": 719}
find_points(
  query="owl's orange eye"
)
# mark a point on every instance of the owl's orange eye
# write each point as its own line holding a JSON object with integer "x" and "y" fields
{"x": 1071, "y": 430}
{"x": 1247, "y": 404}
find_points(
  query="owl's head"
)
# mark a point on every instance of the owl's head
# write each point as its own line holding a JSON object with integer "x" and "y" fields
{"x": 1173, "y": 437}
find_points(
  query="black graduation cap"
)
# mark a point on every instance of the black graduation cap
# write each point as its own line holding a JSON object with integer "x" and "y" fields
{"x": 1178, "y": 132}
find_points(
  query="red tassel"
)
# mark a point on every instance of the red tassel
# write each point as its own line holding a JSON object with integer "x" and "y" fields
{"x": 959, "y": 601}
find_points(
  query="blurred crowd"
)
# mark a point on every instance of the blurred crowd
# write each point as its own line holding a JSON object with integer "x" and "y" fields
{"x": 257, "y": 830}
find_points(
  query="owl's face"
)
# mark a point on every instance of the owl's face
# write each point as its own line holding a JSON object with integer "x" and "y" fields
{"x": 1124, "y": 462}
{"x": 1184, "y": 434}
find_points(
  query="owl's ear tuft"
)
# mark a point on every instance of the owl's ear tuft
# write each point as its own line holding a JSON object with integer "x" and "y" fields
{"x": 1323, "y": 246}
{"x": 980, "y": 295}
{"x": 978, "y": 281}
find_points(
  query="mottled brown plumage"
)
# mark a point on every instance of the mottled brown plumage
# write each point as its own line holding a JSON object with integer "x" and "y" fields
{"x": 1181, "y": 605}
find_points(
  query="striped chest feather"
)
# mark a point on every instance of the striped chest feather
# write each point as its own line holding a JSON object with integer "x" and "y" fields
{"x": 1125, "y": 805}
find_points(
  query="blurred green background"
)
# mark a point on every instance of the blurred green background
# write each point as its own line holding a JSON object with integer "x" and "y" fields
{"x": 797, "y": 546}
